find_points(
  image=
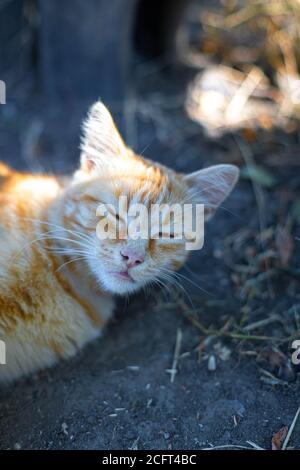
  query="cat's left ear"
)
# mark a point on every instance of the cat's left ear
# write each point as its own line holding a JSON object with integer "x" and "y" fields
{"x": 101, "y": 138}
{"x": 211, "y": 186}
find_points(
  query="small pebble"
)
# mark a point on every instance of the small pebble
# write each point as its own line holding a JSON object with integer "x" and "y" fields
{"x": 134, "y": 368}
{"x": 64, "y": 428}
{"x": 212, "y": 364}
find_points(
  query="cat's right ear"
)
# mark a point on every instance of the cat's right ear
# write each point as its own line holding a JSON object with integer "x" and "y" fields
{"x": 100, "y": 139}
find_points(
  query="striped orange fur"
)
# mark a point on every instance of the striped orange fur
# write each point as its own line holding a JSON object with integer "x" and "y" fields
{"x": 57, "y": 278}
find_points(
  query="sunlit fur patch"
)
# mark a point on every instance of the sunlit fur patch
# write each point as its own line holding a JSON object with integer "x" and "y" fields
{"x": 140, "y": 181}
{"x": 42, "y": 317}
{"x": 56, "y": 275}
{"x": 170, "y": 247}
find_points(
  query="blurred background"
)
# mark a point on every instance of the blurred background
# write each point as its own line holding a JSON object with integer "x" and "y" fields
{"x": 190, "y": 83}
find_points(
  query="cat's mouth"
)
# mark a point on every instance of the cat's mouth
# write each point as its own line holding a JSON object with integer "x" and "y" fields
{"x": 122, "y": 275}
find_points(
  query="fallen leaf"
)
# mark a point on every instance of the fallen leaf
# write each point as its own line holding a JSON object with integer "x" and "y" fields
{"x": 272, "y": 357}
{"x": 286, "y": 372}
{"x": 278, "y": 438}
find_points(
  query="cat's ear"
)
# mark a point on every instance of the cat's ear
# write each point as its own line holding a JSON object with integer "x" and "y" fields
{"x": 211, "y": 186}
{"x": 101, "y": 138}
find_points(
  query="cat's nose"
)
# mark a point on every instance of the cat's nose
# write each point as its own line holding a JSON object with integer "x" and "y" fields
{"x": 132, "y": 257}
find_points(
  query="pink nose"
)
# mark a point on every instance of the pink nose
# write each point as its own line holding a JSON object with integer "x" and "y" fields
{"x": 131, "y": 257}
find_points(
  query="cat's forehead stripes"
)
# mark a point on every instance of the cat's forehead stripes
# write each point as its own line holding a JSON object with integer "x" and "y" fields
{"x": 51, "y": 311}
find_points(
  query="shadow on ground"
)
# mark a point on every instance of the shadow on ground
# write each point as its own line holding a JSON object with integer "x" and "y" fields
{"x": 117, "y": 393}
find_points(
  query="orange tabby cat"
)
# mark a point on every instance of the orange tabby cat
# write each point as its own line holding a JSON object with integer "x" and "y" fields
{"x": 57, "y": 277}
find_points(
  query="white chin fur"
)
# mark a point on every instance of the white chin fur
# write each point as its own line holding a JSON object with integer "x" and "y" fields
{"x": 116, "y": 286}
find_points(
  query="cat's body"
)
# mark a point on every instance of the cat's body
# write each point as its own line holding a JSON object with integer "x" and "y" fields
{"x": 45, "y": 313}
{"x": 57, "y": 279}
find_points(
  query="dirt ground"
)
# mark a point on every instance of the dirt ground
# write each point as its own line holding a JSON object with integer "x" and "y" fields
{"x": 117, "y": 393}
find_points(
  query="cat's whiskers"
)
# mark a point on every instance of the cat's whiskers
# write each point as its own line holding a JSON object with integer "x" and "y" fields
{"x": 59, "y": 227}
{"x": 154, "y": 282}
{"x": 164, "y": 287}
{"x": 68, "y": 251}
{"x": 185, "y": 278}
{"x": 69, "y": 261}
{"x": 168, "y": 276}
{"x": 46, "y": 236}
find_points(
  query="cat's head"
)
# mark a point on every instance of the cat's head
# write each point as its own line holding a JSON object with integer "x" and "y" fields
{"x": 109, "y": 171}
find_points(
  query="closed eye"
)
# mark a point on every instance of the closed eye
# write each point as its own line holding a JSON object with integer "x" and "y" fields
{"x": 171, "y": 235}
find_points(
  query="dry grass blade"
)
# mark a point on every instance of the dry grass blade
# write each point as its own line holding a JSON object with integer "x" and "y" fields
{"x": 260, "y": 323}
{"x": 255, "y": 446}
{"x": 288, "y": 437}
{"x": 235, "y": 446}
{"x": 173, "y": 370}
{"x": 241, "y": 96}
